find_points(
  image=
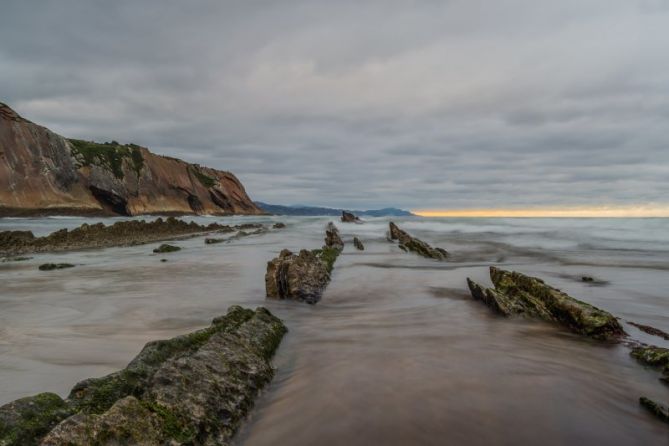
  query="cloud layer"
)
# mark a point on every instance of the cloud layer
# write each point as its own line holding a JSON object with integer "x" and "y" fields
{"x": 416, "y": 104}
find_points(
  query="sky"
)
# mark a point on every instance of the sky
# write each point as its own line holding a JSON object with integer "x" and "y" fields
{"x": 461, "y": 104}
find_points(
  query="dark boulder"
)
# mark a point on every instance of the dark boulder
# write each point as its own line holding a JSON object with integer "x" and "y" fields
{"x": 53, "y": 266}
{"x": 358, "y": 244}
{"x": 348, "y": 217}
{"x": 518, "y": 294}
{"x": 409, "y": 243}
{"x": 165, "y": 248}
{"x": 279, "y": 225}
{"x": 213, "y": 241}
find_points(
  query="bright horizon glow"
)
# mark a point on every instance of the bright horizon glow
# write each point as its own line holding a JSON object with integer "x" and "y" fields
{"x": 633, "y": 211}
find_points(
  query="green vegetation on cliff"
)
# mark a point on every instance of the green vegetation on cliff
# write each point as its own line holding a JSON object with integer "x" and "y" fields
{"x": 109, "y": 155}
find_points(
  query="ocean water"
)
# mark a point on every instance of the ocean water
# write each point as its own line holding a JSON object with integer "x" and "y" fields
{"x": 395, "y": 353}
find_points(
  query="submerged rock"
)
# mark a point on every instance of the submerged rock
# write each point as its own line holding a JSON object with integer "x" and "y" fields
{"x": 332, "y": 238}
{"x": 655, "y": 357}
{"x": 279, "y": 225}
{"x": 165, "y": 248}
{"x": 516, "y": 293}
{"x": 358, "y": 244}
{"x": 194, "y": 389}
{"x": 409, "y": 243}
{"x": 348, "y": 217}
{"x": 301, "y": 277}
{"x": 660, "y": 411}
{"x": 52, "y": 266}
{"x": 213, "y": 241}
{"x": 651, "y": 330}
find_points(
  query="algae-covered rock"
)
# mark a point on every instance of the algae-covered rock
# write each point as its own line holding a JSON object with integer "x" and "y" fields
{"x": 660, "y": 411}
{"x": 654, "y": 357}
{"x": 23, "y": 422}
{"x": 301, "y": 277}
{"x": 358, "y": 244}
{"x": 332, "y": 238}
{"x": 409, "y": 243}
{"x": 194, "y": 389}
{"x": 52, "y": 266}
{"x": 279, "y": 225}
{"x": 516, "y": 293}
{"x": 165, "y": 248}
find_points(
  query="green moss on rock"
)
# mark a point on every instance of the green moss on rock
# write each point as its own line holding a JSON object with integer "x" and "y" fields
{"x": 109, "y": 155}
{"x": 23, "y": 422}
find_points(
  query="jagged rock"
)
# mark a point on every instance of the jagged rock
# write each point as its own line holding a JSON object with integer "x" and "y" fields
{"x": 213, "y": 241}
{"x": 332, "y": 238}
{"x": 660, "y": 411}
{"x": 651, "y": 330}
{"x": 279, "y": 225}
{"x": 52, "y": 266}
{"x": 194, "y": 389}
{"x": 44, "y": 173}
{"x": 301, "y": 277}
{"x": 516, "y": 293}
{"x": 165, "y": 248}
{"x": 358, "y": 244}
{"x": 121, "y": 233}
{"x": 409, "y": 243}
{"x": 655, "y": 357}
{"x": 348, "y": 217}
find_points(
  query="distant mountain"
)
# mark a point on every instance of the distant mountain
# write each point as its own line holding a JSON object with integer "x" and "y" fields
{"x": 318, "y": 211}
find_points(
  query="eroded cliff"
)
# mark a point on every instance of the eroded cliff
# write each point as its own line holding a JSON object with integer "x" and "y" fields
{"x": 44, "y": 173}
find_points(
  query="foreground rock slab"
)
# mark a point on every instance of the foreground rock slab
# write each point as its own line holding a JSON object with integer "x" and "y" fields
{"x": 518, "y": 294}
{"x": 121, "y": 233}
{"x": 194, "y": 389}
{"x": 409, "y": 243}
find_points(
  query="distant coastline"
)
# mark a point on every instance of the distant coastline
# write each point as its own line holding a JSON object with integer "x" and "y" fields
{"x": 299, "y": 210}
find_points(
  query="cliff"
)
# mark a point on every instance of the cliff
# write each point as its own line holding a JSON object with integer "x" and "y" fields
{"x": 44, "y": 173}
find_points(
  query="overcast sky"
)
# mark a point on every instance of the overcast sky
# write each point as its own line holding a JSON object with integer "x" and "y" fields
{"x": 363, "y": 104}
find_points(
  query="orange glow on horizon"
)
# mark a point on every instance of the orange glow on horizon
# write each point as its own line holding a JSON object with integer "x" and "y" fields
{"x": 638, "y": 211}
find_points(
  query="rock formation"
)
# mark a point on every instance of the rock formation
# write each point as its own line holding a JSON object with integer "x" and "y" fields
{"x": 348, "y": 217}
{"x": 657, "y": 357}
{"x": 194, "y": 389}
{"x": 303, "y": 276}
{"x": 121, "y": 233}
{"x": 518, "y": 294}
{"x": 409, "y": 243}
{"x": 651, "y": 330}
{"x": 332, "y": 238}
{"x": 44, "y": 173}
{"x": 358, "y": 244}
{"x": 660, "y": 411}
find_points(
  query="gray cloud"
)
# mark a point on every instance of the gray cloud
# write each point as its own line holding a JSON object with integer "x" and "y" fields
{"x": 429, "y": 104}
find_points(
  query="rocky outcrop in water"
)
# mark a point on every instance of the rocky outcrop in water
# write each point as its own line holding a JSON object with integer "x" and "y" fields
{"x": 651, "y": 330}
{"x": 358, "y": 244}
{"x": 190, "y": 390}
{"x": 166, "y": 248}
{"x": 660, "y": 411}
{"x": 303, "y": 276}
{"x": 348, "y": 217}
{"x": 653, "y": 356}
{"x": 332, "y": 237}
{"x": 518, "y": 294}
{"x": 53, "y": 266}
{"x": 409, "y": 243}
{"x": 43, "y": 173}
{"x": 121, "y": 233}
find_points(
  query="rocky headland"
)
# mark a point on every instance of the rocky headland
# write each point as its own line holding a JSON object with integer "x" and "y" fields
{"x": 42, "y": 173}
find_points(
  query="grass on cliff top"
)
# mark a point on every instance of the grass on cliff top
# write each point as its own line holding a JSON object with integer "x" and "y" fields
{"x": 205, "y": 180}
{"x": 109, "y": 155}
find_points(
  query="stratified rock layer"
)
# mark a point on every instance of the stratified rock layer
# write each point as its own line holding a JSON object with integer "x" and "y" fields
{"x": 43, "y": 173}
{"x": 409, "y": 243}
{"x": 516, "y": 293}
{"x": 190, "y": 390}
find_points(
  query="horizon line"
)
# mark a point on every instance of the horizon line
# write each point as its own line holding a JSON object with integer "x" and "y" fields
{"x": 631, "y": 211}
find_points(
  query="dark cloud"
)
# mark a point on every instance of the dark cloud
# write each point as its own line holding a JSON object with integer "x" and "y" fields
{"x": 432, "y": 104}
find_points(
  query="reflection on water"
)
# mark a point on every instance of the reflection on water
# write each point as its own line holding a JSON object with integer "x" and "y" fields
{"x": 395, "y": 352}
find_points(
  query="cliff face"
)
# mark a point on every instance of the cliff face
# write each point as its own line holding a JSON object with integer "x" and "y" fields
{"x": 43, "y": 173}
